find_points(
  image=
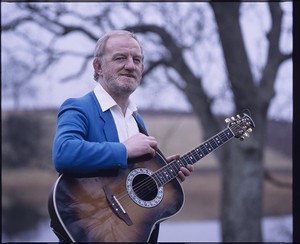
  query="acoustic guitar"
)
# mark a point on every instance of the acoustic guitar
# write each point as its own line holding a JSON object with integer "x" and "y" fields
{"x": 124, "y": 205}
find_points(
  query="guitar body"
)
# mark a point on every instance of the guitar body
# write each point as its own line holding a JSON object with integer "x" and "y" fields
{"x": 86, "y": 209}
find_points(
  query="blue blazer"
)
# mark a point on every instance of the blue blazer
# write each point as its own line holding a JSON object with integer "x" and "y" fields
{"x": 86, "y": 138}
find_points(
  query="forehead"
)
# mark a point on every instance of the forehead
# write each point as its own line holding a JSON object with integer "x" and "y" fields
{"x": 122, "y": 43}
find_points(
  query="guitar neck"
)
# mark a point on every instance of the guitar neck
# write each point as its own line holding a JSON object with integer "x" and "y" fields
{"x": 170, "y": 171}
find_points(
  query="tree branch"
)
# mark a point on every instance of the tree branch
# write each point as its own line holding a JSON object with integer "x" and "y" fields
{"x": 11, "y": 26}
{"x": 194, "y": 89}
{"x": 154, "y": 64}
{"x": 80, "y": 71}
{"x": 275, "y": 56}
{"x": 274, "y": 181}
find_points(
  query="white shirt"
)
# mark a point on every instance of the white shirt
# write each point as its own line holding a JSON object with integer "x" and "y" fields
{"x": 126, "y": 125}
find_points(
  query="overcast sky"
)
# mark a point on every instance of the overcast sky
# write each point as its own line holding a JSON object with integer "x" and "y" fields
{"x": 51, "y": 92}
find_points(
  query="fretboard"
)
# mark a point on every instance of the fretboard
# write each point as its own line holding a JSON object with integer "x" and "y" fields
{"x": 170, "y": 171}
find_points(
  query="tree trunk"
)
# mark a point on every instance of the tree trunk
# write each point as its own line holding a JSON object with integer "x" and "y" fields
{"x": 241, "y": 162}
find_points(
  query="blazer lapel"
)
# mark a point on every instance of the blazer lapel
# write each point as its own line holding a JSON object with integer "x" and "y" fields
{"x": 110, "y": 128}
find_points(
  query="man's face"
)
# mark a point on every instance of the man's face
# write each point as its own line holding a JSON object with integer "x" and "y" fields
{"x": 122, "y": 65}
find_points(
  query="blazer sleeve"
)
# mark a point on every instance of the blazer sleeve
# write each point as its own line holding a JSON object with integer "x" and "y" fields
{"x": 79, "y": 144}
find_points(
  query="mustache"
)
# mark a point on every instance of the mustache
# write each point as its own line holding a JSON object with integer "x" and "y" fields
{"x": 128, "y": 74}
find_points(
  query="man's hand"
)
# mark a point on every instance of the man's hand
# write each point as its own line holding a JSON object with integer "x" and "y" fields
{"x": 139, "y": 145}
{"x": 184, "y": 171}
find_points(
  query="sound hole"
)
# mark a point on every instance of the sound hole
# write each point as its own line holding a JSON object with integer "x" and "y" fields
{"x": 144, "y": 187}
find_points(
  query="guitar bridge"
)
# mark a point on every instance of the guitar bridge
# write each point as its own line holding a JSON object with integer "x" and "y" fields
{"x": 116, "y": 206}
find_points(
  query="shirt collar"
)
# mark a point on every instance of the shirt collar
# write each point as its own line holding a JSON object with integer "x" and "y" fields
{"x": 107, "y": 102}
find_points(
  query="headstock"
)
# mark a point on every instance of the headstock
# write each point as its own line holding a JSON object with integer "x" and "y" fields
{"x": 240, "y": 126}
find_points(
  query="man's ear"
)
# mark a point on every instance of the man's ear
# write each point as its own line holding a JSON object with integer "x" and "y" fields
{"x": 97, "y": 66}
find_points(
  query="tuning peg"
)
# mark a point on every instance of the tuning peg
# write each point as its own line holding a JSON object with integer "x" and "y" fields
{"x": 238, "y": 116}
{"x": 227, "y": 120}
{"x": 232, "y": 118}
{"x": 246, "y": 134}
{"x": 249, "y": 130}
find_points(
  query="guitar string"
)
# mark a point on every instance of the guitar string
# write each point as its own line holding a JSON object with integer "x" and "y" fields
{"x": 140, "y": 187}
{"x": 151, "y": 179}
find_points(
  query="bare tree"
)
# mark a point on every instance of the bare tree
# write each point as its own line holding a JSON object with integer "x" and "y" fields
{"x": 241, "y": 163}
{"x": 16, "y": 80}
{"x": 242, "y": 169}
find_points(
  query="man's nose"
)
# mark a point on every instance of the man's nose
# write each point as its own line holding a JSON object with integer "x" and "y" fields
{"x": 130, "y": 64}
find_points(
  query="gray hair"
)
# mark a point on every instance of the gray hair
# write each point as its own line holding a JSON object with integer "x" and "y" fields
{"x": 101, "y": 43}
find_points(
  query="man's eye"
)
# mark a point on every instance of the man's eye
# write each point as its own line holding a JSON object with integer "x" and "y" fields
{"x": 137, "y": 61}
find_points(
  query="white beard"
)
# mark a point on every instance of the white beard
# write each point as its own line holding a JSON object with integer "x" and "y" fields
{"x": 117, "y": 86}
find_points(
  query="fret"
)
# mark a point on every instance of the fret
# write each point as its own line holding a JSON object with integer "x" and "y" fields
{"x": 204, "y": 150}
{"x": 208, "y": 147}
{"x": 193, "y": 157}
{"x": 228, "y": 134}
{"x": 166, "y": 174}
{"x": 160, "y": 176}
{"x": 223, "y": 137}
{"x": 170, "y": 171}
{"x": 213, "y": 144}
{"x": 199, "y": 152}
{"x": 173, "y": 168}
{"x": 179, "y": 163}
{"x": 218, "y": 140}
{"x": 157, "y": 179}
{"x": 175, "y": 165}
{"x": 196, "y": 157}
{"x": 185, "y": 160}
